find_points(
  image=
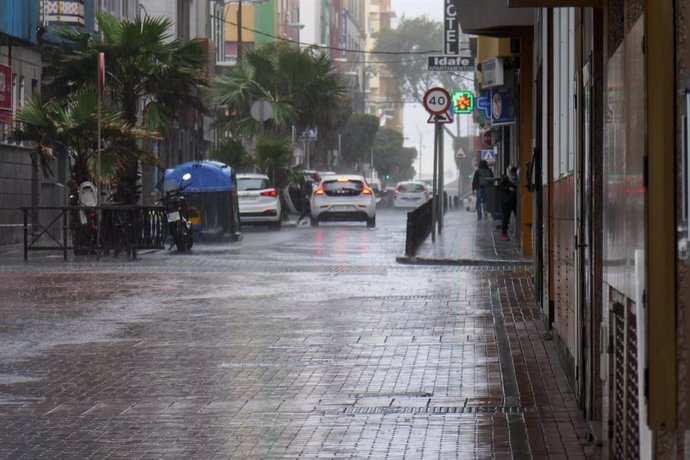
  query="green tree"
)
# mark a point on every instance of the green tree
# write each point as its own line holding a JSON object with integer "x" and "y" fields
{"x": 143, "y": 68}
{"x": 272, "y": 155}
{"x": 232, "y": 152}
{"x": 412, "y": 75}
{"x": 301, "y": 84}
{"x": 390, "y": 157}
{"x": 358, "y": 138}
{"x": 72, "y": 126}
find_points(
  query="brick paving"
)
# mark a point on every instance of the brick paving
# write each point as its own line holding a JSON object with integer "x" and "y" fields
{"x": 223, "y": 354}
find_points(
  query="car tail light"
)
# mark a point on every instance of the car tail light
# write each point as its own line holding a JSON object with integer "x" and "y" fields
{"x": 271, "y": 192}
{"x": 319, "y": 191}
{"x": 395, "y": 192}
{"x": 366, "y": 191}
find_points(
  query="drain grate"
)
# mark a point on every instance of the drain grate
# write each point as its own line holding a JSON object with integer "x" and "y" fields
{"x": 406, "y": 297}
{"x": 414, "y": 394}
{"x": 279, "y": 363}
{"x": 437, "y": 410}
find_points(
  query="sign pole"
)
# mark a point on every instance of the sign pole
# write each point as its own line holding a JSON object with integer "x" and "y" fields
{"x": 434, "y": 187}
{"x": 437, "y": 102}
{"x": 441, "y": 202}
{"x": 99, "y": 216}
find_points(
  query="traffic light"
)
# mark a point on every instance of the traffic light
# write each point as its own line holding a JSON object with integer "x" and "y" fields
{"x": 463, "y": 102}
{"x": 387, "y": 176}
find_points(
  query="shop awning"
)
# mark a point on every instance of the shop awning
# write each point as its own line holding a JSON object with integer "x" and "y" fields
{"x": 493, "y": 18}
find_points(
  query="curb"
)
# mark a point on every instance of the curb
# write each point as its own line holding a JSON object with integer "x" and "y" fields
{"x": 404, "y": 259}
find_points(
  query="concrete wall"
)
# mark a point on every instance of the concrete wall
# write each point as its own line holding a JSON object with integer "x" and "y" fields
{"x": 15, "y": 191}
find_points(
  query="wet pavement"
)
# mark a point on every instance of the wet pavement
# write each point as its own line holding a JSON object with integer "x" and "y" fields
{"x": 303, "y": 343}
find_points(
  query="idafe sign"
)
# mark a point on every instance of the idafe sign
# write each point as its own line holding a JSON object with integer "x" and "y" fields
{"x": 451, "y": 27}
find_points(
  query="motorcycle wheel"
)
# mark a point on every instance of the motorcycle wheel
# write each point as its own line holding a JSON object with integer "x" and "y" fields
{"x": 180, "y": 237}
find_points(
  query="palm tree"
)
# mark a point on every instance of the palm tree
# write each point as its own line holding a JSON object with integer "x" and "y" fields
{"x": 142, "y": 67}
{"x": 272, "y": 154}
{"x": 73, "y": 128}
{"x": 301, "y": 84}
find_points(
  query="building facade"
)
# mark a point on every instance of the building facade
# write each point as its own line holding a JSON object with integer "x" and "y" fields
{"x": 383, "y": 98}
{"x": 22, "y": 184}
{"x": 602, "y": 129}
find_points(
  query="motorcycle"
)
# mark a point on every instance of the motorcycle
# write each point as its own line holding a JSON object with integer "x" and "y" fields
{"x": 177, "y": 215}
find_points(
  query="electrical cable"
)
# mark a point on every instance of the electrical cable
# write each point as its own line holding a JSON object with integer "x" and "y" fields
{"x": 344, "y": 50}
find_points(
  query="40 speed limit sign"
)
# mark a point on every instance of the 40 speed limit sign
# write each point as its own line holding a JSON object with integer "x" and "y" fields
{"x": 436, "y": 101}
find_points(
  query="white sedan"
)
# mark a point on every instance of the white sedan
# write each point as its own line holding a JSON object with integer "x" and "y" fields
{"x": 410, "y": 194}
{"x": 343, "y": 198}
{"x": 258, "y": 200}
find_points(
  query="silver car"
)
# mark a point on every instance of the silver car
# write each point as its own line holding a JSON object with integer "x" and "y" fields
{"x": 258, "y": 200}
{"x": 343, "y": 198}
{"x": 410, "y": 194}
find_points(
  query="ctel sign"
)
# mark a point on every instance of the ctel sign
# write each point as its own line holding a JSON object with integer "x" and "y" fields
{"x": 451, "y": 27}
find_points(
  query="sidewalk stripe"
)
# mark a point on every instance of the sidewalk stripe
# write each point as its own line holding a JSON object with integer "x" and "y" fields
{"x": 519, "y": 442}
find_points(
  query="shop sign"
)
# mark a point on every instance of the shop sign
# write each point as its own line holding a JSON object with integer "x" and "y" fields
{"x": 5, "y": 87}
{"x": 450, "y": 63}
{"x": 492, "y": 73}
{"x": 502, "y": 107}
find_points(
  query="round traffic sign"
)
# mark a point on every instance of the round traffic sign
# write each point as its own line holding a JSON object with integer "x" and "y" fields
{"x": 261, "y": 110}
{"x": 436, "y": 100}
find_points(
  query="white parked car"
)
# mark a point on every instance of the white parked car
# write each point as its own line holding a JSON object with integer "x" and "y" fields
{"x": 343, "y": 198}
{"x": 410, "y": 194}
{"x": 258, "y": 200}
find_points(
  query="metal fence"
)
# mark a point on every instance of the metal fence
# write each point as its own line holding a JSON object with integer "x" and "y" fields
{"x": 76, "y": 228}
{"x": 418, "y": 227}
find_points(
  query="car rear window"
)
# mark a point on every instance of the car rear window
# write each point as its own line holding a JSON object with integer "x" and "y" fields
{"x": 244, "y": 185}
{"x": 411, "y": 188}
{"x": 343, "y": 187}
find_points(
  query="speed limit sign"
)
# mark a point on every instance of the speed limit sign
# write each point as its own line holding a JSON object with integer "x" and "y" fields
{"x": 437, "y": 101}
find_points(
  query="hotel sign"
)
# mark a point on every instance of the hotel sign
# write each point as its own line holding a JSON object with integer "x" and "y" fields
{"x": 451, "y": 27}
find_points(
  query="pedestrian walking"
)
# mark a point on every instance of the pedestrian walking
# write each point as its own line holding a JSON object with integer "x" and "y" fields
{"x": 305, "y": 191}
{"x": 508, "y": 186}
{"x": 480, "y": 183}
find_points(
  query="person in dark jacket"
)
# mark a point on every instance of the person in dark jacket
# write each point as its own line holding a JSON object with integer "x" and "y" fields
{"x": 508, "y": 186}
{"x": 480, "y": 183}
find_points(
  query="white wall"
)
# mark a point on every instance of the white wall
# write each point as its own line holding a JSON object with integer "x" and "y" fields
{"x": 310, "y": 16}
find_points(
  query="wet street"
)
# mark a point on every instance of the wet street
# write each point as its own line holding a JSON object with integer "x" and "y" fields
{"x": 299, "y": 343}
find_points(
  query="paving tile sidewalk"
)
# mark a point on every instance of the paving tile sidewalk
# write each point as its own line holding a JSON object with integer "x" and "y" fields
{"x": 552, "y": 425}
{"x": 465, "y": 241}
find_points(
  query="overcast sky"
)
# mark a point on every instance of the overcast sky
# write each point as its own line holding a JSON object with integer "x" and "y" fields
{"x": 415, "y": 117}
{"x": 411, "y": 8}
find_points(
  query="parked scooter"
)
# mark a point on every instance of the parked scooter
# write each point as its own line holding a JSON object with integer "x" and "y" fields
{"x": 85, "y": 231}
{"x": 177, "y": 214}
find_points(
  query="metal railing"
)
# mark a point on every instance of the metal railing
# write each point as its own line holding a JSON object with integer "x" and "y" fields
{"x": 122, "y": 228}
{"x": 418, "y": 227}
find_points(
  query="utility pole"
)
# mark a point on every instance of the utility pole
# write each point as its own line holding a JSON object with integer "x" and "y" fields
{"x": 239, "y": 31}
{"x": 419, "y": 131}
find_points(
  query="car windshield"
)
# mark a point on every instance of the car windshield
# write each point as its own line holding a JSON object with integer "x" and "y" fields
{"x": 249, "y": 184}
{"x": 343, "y": 187}
{"x": 411, "y": 188}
